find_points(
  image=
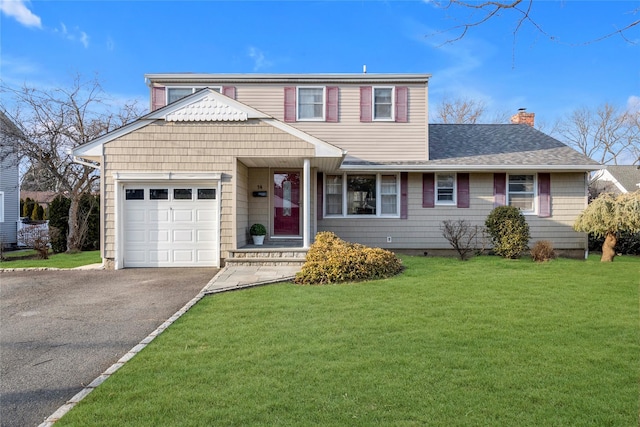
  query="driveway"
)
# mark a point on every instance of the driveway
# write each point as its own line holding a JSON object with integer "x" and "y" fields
{"x": 59, "y": 330}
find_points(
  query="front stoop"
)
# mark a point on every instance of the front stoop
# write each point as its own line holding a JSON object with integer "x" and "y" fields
{"x": 267, "y": 257}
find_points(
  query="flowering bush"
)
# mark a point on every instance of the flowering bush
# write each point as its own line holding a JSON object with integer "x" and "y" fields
{"x": 332, "y": 260}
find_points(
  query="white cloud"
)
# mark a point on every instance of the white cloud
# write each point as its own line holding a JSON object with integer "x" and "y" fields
{"x": 633, "y": 104}
{"x": 74, "y": 34}
{"x": 18, "y": 9}
{"x": 259, "y": 60}
{"x": 111, "y": 45}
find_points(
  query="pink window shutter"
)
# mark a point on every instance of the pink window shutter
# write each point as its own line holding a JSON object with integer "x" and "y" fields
{"x": 289, "y": 104}
{"x": 158, "y": 99}
{"x": 463, "y": 190}
{"x": 499, "y": 189}
{"x": 320, "y": 195}
{"x": 229, "y": 91}
{"x": 404, "y": 195}
{"x": 402, "y": 104}
{"x": 333, "y": 95}
{"x": 544, "y": 195}
{"x": 428, "y": 193}
{"x": 366, "y": 93}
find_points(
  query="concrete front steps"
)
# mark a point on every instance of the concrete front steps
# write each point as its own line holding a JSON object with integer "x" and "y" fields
{"x": 266, "y": 257}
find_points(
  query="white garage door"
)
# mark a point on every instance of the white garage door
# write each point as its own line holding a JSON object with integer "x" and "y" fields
{"x": 170, "y": 225}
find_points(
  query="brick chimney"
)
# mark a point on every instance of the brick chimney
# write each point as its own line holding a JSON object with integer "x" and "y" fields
{"x": 523, "y": 118}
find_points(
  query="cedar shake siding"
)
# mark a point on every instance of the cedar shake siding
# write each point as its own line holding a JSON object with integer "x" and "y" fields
{"x": 198, "y": 147}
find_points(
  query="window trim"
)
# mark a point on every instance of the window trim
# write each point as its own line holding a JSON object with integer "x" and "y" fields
{"x": 392, "y": 118}
{"x": 194, "y": 89}
{"x": 1, "y": 206}
{"x": 534, "y": 193}
{"x": 324, "y": 104}
{"x": 454, "y": 200}
{"x": 378, "y": 214}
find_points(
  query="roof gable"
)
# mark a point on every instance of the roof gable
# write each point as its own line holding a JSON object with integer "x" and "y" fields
{"x": 206, "y": 105}
{"x": 625, "y": 177}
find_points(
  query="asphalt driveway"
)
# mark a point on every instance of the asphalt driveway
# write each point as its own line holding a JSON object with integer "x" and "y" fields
{"x": 59, "y": 330}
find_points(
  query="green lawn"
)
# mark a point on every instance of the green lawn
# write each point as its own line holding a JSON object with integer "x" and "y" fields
{"x": 26, "y": 259}
{"x": 448, "y": 343}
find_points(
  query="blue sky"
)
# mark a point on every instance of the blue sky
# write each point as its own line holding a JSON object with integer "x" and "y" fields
{"x": 44, "y": 43}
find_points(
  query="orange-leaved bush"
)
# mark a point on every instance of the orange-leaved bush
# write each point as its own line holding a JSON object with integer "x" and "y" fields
{"x": 332, "y": 260}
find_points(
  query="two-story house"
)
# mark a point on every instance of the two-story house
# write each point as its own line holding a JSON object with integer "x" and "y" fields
{"x": 349, "y": 153}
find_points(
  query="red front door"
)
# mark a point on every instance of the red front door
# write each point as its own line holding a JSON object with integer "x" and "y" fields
{"x": 286, "y": 202}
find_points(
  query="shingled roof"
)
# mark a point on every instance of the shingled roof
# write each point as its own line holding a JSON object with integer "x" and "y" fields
{"x": 486, "y": 146}
{"x": 628, "y": 176}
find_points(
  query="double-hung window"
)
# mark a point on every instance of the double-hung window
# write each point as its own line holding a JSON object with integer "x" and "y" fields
{"x": 521, "y": 192}
{"x": 311, "y": 103}
{"x": 362, "y": 194}
{"x": 176, "y": 93}
{"x": 445, "y": 189}
{"x": 383, "y": 103}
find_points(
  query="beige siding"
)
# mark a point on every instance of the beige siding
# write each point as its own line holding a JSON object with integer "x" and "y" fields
{"x": 374, "y": 141}
{"x": 422, "y": 228}
{"x": 198, "y": 147}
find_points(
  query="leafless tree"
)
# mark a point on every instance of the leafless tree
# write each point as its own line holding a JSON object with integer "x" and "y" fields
{"x": 50, "y": 123}
{"x": 465, "y": 111}
{"x": 523, "y": 11}
{"x": 607, "y": 134}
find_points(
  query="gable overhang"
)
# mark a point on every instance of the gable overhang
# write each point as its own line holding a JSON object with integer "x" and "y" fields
{"x": 207, "y": 105}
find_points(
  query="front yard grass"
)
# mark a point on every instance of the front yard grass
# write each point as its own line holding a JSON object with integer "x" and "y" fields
{"x": 28, "y": 259}
{"x": 447, "y": 343}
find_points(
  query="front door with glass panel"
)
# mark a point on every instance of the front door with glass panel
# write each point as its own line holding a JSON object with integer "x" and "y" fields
{"x": 286, "y": 203}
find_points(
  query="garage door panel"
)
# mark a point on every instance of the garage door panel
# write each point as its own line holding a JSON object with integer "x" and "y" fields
{"x": 159, "y": 215}
{"x": 206, "y": 215}
{"x": 170, "y": 232}
{"x": 206, "y": 236}
{"x": 183, "y": 236}
{"x": 183, "y": 215}
{"x": 136, "y": 236}
{"x": 186, "y": 256}
{"x": 203, "y": 256}
{"x": 161, "y": 236}
{"x": 159, "y": 255}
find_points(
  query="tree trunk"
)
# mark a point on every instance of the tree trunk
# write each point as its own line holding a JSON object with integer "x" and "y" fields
{"x": 73, "y": 236}
{"x": 609, "y": 248}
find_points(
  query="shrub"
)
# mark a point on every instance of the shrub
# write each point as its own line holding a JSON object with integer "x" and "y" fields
{"x": 332, "y": 260}
{"x": 37, "y": 238}
{"x": 461, "y": 235}
{"x": 509, "y": 231}
{"x": 59, "y": 219}
{"x": 543, "y": 251}
{"x": 258, "y": 230}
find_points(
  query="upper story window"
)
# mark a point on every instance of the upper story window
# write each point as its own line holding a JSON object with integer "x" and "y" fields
{"x": 311, "y": 103}
{"x": 176, "y": 93}
{"x": 362, "y": 194}
{"x": 383, "y": 105}
{"x": 521, "y": 192}
{"x": 445, "y": 188}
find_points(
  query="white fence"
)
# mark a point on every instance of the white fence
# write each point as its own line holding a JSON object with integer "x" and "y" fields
{"x": 27, "y": 231}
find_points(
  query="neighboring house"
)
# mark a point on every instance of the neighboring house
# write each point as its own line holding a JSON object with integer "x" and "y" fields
{"x": 349, "y": 153}
{"x": 44, "y": 198}
{"x": 616, "y": 179}
{"x": 9, "y": 182}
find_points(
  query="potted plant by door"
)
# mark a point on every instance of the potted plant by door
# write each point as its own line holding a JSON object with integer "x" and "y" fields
{"x": 258, "y": 231}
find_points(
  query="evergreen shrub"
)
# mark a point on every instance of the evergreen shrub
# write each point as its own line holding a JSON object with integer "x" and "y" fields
{"x": 509, "y": 231}
{"x": 332, "y": 260}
